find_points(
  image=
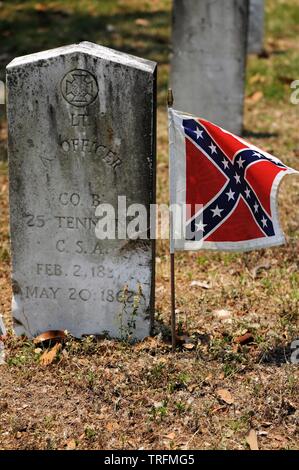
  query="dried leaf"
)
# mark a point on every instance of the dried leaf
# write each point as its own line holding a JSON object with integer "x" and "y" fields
{"x": 112, "y": 426}
{"x": 251, "y": 440}
{"x": 255, "y": 97}
{"x": 222, "y": 314}
{"x": 49, "y": 355}
{"x": 41, "y": 7}
{"x": 204, "y": 285}
{"x": 170, "y": 436}
{"x": 51, "y": 335}
{"x": 225, "y": 396}
{"x": 188, "y": 345}
{"x": 71, "y": 444}
{"x": 244, "y": 339}
{"x": 257, "y": 269}
{"x": 142, "y": 22}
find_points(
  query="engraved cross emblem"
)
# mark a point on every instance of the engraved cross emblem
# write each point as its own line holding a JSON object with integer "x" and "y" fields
{"x": 79, "y": 88}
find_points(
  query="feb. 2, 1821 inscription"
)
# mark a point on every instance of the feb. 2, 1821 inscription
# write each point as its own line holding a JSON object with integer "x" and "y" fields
{"x": 81, "y": 133}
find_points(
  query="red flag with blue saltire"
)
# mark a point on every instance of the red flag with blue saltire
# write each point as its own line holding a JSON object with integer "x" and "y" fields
{"x": 229, "y": 186}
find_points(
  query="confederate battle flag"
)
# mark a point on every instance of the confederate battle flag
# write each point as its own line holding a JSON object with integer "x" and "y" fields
{"x": 229, "y": 186}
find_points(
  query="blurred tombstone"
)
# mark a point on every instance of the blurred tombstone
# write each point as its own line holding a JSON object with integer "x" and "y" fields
{"x": 81, "y": 124}
{"x": 209, "y": 42}
{"x": 256, "y": 26}
{"x": 2, "y": 93}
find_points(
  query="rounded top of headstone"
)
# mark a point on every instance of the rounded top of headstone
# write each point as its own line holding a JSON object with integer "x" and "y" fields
{"x": 87, "y": 48}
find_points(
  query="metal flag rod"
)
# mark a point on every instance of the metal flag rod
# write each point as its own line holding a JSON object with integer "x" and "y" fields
{"x": 172, "y": 265}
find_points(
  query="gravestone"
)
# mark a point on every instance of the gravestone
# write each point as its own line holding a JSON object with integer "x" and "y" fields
{"x": 81, "y": 132}
{"x": 256, "y": 26}
{"x": 208, "y": 59}
{"x": 2, "y": 93}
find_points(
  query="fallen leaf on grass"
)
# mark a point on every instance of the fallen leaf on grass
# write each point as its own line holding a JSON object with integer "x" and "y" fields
{"x": 170, "y": 436}
{"x": 251, "y": 440}
{"x": 257, "y": 269}
{"x": 142, "y": 22}
{"x": 147, "y": 344}
{"x": 71, "y": 444}
{"x": 204, "y": 285}
{"x": 49, "y": 355}
{"x": 222, "y": 314}
{"x": 112, "y": 426}
{"x": 218, "y": 408}
{"x": 188, "y": 345}
{"x": 255, "y": 97}
{"x": 225, "y": 396}
{"x": 244, "y": 339}
{"x": 40, "y": 7}
{"x": 51, "y": 335}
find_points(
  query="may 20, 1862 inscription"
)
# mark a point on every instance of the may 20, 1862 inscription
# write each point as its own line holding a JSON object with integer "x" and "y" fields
{"x": 81, "y": 133}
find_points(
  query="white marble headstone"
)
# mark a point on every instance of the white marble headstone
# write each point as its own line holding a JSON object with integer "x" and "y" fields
{"x": 81, "y": 132}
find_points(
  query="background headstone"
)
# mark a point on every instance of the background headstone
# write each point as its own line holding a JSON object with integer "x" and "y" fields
{"x": 256, "y": 26}
{"x": 208, "y": 59}
{"x": 81, "y": 131}
{"x": 2, "y": 93}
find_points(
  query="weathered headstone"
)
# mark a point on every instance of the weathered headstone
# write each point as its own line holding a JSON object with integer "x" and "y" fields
{"x": 81, "y": 132}
{"x": 208, "y": 59}
{"x": 256, "y": 26}
{"x": 2, "y": 93}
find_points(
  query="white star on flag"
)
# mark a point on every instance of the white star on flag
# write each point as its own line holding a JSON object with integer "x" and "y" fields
{"x": 237, "y": 178}
{"x": 198, "y": 133}
{"x": 264, "y": 222}
{"x": 217, "y": 211}
{"x": 247, "y": 192}
{"x": 200, "y": 226}
{"x": 213, "y": 148}
{"x": 256, "y": 154}
{"x": 230, "y": 195}
{"x": 225, "y": 164}
{"x": 256, "y": 206}
{"x": 240, "y": 162}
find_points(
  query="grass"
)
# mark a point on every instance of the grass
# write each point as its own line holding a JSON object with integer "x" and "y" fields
{"x": 109, "y": 394}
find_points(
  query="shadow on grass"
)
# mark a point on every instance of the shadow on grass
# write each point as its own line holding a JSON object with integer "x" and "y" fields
{"x": 259, "y": 135}
{"x": 31, "y": 31}
{"x": 25, "y": 30}
{"x": 279, "y": 355}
